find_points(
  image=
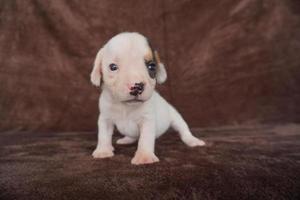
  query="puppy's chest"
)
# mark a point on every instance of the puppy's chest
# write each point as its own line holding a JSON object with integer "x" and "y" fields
{"x": 128, "y": 128}
{"x": 127, "y": 124}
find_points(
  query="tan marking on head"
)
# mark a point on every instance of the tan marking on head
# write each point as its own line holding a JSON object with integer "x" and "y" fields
{"x": 149, "y": 55}
{"x": 156, "y": 57}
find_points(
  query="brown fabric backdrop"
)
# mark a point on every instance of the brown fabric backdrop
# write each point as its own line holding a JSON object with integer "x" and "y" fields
{"x": 229, "y": 62}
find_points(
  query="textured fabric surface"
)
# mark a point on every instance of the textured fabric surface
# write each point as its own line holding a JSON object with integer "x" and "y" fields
{"x": 229, "y": 62}
{"x": 237, "y": 163}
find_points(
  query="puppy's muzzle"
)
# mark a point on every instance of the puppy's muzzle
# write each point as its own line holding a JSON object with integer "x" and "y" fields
{"x": 137, "y": 89}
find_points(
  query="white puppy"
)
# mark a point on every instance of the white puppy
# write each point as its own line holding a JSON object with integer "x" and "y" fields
{"x": 128, "y": 68}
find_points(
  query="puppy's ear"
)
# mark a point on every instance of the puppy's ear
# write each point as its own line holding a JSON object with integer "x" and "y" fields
{"x": 161, "y": 74}
{"x": 96, "y": 72}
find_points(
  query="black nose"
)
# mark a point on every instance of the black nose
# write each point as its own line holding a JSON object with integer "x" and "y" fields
{"x": 137, "y": 89}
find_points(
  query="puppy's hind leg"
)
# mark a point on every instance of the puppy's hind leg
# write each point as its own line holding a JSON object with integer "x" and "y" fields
{"x": 126, "y": 140}
{"x": 178, "y": 124}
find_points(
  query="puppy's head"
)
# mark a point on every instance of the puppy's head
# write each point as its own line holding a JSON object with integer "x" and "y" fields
{"x": 129, "y": 68}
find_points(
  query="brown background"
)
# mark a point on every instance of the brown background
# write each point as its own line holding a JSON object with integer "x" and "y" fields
{"x": 229, "y": 62}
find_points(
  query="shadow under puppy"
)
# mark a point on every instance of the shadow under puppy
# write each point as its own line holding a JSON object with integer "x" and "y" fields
{"x": 130, "y": 69}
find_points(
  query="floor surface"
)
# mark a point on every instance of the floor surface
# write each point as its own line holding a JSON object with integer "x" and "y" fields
{"x": 254, "y": 162}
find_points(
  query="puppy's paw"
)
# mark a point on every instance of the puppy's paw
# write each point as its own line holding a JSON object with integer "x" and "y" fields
{"x": 126, "y": 140}
{"x": 103, "y": 153}
{"x": 144, "y": 158}
{"x": 193, "y": 141}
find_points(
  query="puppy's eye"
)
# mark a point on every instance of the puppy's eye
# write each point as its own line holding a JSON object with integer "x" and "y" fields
{"x": 151, "y": 66}
{"x": 113, "y": 67}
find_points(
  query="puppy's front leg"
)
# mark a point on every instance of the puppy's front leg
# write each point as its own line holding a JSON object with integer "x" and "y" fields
{"x": 104, "y": 147}
{"x": 145, "y": 151}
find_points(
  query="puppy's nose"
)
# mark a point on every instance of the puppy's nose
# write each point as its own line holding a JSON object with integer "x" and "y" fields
{"x": 137, "y": 89}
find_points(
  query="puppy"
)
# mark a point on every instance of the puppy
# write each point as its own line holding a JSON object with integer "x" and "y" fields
{"x": 127, "y": 68}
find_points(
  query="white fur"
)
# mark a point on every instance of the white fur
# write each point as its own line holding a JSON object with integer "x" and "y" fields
{"x": 143, "y": 121}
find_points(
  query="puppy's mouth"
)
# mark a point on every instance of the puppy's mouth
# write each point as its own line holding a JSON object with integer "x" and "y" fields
{"x": 131, "y": 101}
